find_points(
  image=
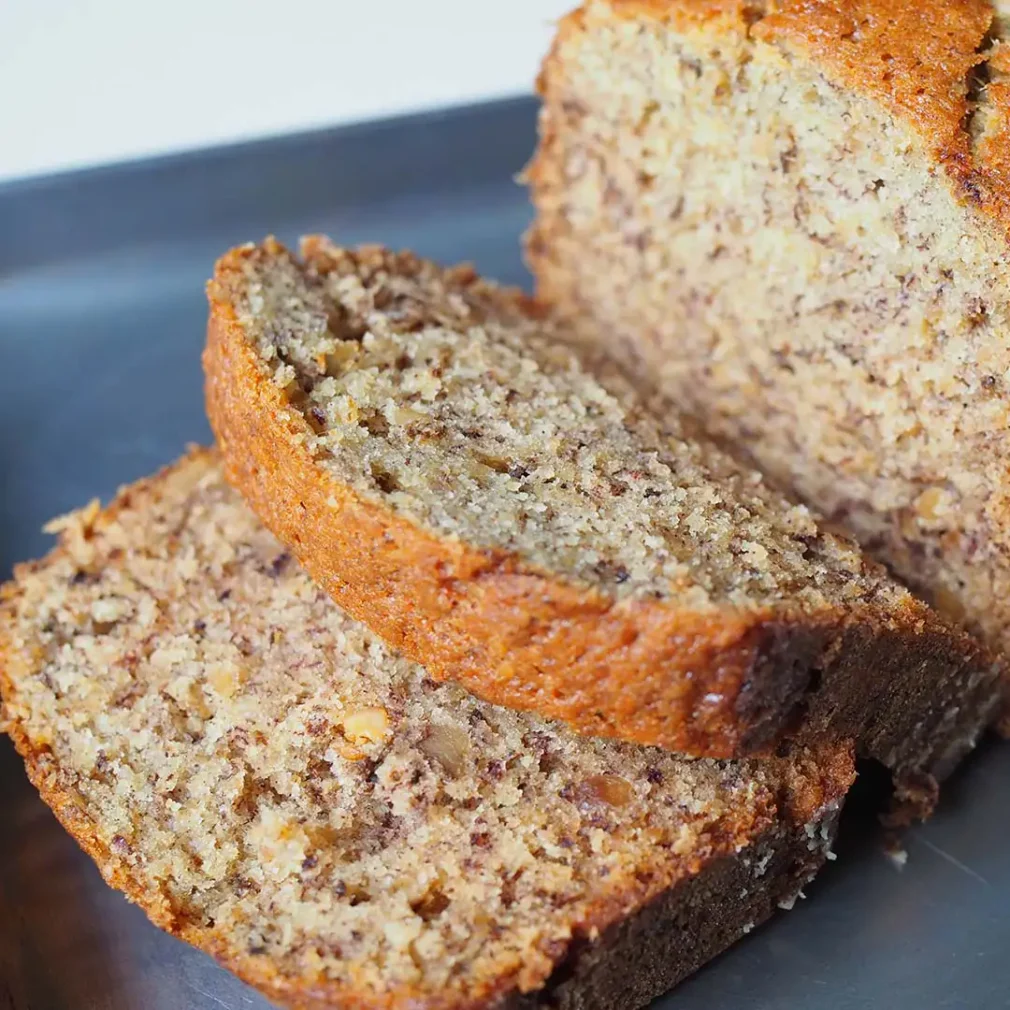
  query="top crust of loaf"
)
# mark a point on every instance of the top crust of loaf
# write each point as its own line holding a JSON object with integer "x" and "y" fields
{"x": 719, "y": 679}
{"x": 270, "y": 782}
{"x": 938, "y": 65}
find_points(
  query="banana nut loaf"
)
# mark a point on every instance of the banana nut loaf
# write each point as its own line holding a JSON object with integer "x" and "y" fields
{"x": 271, "y": 783}
{"x": 794, "y": 216}
{"x": 446, "y": 468}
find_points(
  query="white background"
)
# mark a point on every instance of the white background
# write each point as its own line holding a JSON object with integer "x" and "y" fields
{"x": 90, "y": 81}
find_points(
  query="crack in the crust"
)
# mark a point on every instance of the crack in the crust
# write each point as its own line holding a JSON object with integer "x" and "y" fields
{"x": 974, "y": 120}
{"x": 979, "y": 78}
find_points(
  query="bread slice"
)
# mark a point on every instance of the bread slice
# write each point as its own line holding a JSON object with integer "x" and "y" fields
{"x": 271, "y": 783}
{"x": 443, "y": 465}
{"x": 795, "y": 217}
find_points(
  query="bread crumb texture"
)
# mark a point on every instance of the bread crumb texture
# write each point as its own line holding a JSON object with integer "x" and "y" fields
{"x": 794, "y": 217}
{"x": 437, "y": 395}
{"x": 264, "y": 777}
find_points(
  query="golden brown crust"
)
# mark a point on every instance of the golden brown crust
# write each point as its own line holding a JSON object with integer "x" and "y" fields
{"x": 719, "y": 684}
{"x": 717, "y": 889}
{"x": 919, "y": 60}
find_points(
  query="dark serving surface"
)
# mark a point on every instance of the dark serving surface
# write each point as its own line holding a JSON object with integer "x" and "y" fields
{"x": 101, "y": 325}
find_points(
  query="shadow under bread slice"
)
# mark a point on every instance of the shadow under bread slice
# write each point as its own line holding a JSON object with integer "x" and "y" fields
{"x": 270, "y": 782}
{"x": 440, "y": 461}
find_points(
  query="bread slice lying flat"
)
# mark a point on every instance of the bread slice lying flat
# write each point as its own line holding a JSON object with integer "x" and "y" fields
{"x": 271, "y": 783}
{"x": 447, "y": 470}
{"x": 795, "y": 216}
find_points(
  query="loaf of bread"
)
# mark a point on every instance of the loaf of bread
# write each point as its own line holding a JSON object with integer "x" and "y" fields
{"x": 795, "y": 217}
{"x": 446, "y": 468}
{"x": 268, "y": 781}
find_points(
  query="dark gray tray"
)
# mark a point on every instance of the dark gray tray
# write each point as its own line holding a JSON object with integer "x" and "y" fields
{"x": 101, "y": 324}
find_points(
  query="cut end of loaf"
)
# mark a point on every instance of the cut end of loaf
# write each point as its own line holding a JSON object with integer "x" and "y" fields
{"x": 261, "y": 774}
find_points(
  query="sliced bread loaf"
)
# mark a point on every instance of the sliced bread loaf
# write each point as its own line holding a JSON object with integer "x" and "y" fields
{"x": 268, "y": 781}
{"x": 795, "y": 216}
{"x": 444, "y": 466}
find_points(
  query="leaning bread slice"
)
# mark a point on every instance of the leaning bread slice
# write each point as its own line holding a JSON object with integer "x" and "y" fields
{"x": 267, "y": 780}
{"x": 446, "y": 469}
{"x": 795, "y": 216}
